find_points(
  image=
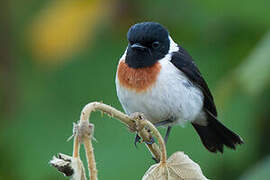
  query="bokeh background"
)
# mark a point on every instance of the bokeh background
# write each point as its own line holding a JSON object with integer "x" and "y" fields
{"x": 56, "y": 56}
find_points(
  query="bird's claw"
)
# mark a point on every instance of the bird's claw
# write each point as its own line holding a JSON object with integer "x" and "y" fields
{"x": 137, "y": 139}
{"x": 150, "y": 142}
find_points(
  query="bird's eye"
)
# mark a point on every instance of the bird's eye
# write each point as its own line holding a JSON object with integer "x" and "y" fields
{"x": 155, "y": 44}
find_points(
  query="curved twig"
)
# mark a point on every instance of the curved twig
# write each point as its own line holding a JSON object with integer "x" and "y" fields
{"x": 135, "y": 123}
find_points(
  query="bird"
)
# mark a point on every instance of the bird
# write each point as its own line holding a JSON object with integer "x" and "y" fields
{"x": 157, "y": 77}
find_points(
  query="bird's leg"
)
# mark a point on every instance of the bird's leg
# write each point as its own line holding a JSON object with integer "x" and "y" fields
{"x": 167, "y": 134}
{"x": 162, "y": 123}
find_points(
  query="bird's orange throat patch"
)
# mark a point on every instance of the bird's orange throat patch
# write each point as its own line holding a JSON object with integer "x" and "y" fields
{"x": 140, "y": 79}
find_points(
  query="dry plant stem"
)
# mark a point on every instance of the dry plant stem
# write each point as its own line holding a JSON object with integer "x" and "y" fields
{"x": 76, "y": 147}
{"x": 131, "y": 123}
{"x": 153, "y": 148}
{"x": 160, "y": 140}
{"x": 86, "y": 112}
{"x": 90, "y": 159}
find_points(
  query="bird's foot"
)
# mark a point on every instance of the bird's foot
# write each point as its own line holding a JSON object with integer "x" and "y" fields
{"x": 151, "y": 141}
{"x": 137, "y": 139}
{"x": 167, "y": 134}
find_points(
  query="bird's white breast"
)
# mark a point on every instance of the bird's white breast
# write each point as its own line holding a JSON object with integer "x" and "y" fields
{"x": 172, "y": 96}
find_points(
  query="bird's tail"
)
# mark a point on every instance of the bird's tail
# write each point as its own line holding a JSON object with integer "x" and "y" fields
{"x": 215, "y": 135}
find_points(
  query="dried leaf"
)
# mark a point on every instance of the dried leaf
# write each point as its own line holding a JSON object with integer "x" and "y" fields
{"x": 179, "y": 166}
{"x": 69, "y": 166}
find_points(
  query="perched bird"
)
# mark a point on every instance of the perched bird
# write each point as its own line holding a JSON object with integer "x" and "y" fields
{"x": 157, "y": 77}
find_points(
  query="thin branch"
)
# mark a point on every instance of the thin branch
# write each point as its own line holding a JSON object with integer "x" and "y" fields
{"x": 160, "y": 140}
{"x": 153, "y": 148}
{"x": 130, "y": 121}
{"x": 83, "y": 132}
{"x": 76, "y": 147}
{"x": 93, "y": 106}
{"x": 90, "y": 159}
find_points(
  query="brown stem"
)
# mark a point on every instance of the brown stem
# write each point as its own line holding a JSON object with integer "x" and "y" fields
{"x": 90, "y": 159}
{"x": 130, "y": 122}
{"x": 134, "y": 124}
{"x": 153, "y": 148}
{"x": 108, "y": 110}
{"x": 160, "y": 140}
{"x": 76, "y": 147}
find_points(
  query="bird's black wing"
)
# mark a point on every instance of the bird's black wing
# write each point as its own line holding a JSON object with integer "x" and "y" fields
{"x": 214, "y": 135}
{"x": 184, "y": 62}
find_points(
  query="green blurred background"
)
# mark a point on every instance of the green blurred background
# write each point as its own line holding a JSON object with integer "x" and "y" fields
{"x": 58, "y": 56}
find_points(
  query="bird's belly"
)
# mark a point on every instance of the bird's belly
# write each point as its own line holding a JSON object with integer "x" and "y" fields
{"x": 148, "y": 103}
{"x": 172, "y": 97}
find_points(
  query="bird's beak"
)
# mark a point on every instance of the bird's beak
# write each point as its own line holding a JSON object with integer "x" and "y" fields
{"x": 138, "y": 46}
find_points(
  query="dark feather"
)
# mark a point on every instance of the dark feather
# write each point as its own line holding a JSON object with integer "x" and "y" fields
{"x": 184, "y": 62}
{"x": 214, "y": 135}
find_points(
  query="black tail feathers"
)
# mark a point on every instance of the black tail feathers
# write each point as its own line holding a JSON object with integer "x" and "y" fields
{"x": 215, "y": 135}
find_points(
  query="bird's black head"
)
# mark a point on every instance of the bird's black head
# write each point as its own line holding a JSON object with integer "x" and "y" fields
{"x": 148, "y": 43}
